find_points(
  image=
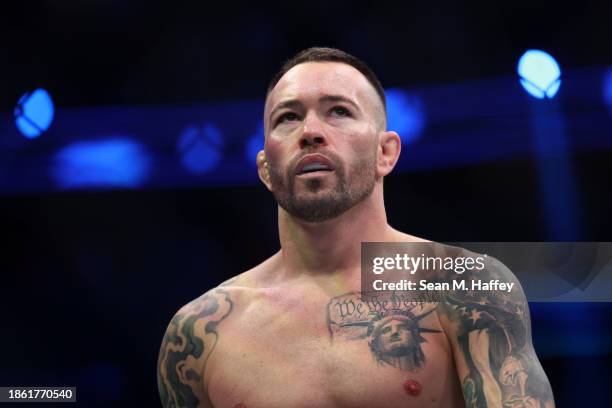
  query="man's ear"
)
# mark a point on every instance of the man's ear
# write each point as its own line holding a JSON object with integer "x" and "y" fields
{"x": 263, "y": 169}
{"x": 389, "y": 149}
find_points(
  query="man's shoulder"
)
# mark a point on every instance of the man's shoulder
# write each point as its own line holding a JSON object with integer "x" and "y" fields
{"x": 490, "y": 266}
{"x": 447, "y": 250}
{"x": 237, "y": 289}
{"x": 192, "y": 336}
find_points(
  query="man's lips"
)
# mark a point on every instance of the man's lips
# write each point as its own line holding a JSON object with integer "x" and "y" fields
{"x": 313, "y": 163}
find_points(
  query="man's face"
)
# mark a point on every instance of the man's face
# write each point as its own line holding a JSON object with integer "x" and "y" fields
{"x": 321, "y": 122}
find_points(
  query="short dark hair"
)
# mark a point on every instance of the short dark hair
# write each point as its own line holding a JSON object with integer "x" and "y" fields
{"x": 325, "y": 54}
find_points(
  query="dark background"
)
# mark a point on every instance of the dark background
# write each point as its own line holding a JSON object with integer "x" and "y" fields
{"x": 92, "y": 277}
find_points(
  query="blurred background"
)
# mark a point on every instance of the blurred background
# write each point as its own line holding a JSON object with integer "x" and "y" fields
{"x": 128, "y": 132}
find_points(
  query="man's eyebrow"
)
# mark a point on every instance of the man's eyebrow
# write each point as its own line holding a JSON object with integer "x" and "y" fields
{"x": 338, "y": 98}
{"x": 285, "y": 104}
{"x": 326, "y": 98}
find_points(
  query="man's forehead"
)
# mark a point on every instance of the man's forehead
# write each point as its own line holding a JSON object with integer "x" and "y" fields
{"x": 323, "y": 78}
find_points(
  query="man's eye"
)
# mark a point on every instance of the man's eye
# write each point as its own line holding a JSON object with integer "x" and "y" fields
{"x": 340, "y": 111}
{"x": 286, "y": 116}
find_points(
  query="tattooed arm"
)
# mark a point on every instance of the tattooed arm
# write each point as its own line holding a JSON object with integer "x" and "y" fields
{"x": 189, "y": 340}
{"x": 490, "y": 334}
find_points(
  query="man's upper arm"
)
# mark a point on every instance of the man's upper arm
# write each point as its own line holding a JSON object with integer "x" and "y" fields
{"x": 189, "y": 339}
{"x": 490, "y": 334}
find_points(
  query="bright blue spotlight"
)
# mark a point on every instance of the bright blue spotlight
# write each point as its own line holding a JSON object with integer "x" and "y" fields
{"x": 200, "y": 148}
{"x": 113, "y": 162}
{"x": 405, "y": 114}
{"x": 607, "y": 88}
{"x": 254, "y": 144}
{"x": 539, "y": 73}
{"x": 34, "y": 113}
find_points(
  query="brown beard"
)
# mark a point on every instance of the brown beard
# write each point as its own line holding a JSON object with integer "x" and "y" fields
{"x": 350, "y": 189}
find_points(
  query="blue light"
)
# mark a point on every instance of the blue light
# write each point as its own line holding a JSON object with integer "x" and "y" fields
{"x": 113, "y": 162}
{"x": 405, "y": 114}
{"x": 254, "y": 144}
{"x": 539, "y": 73}
{"x": 607, "y": 88}
{"x": 200, "y": 148}
{"x": 34, "y": 113}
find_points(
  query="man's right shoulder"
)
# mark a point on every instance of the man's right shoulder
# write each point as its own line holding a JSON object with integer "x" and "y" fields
{"x": 188, "y": 342}
{"x": 192, "y": 336}
{"x": 237, "y": 289}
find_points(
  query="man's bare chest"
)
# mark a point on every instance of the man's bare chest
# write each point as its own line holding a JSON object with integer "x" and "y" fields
{"x": 341, "y": 352}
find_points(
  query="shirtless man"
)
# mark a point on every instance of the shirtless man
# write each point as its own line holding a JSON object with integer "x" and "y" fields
{"x": 274, "y": 336}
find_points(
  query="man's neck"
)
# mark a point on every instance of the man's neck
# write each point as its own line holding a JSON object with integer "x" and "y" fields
{"x": 333, "y": 247}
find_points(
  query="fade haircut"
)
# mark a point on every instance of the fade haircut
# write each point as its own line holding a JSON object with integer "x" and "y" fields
{"x": 325, "y": 54}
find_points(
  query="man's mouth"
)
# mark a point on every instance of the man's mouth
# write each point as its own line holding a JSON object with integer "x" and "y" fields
{"x": 314, "y": 168}
{"x": 314, "y": 163}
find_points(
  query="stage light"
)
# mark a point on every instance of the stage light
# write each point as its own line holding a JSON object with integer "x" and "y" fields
{"x": 254, "y": 144}
{"x": 405, "y": 114}
{"x": 200, "y": 148}
{"x": 110, "y": 162}
{"x": 539, "y": 74}
{"x": 34, "y": 113}
{"x": 607, "y": 88}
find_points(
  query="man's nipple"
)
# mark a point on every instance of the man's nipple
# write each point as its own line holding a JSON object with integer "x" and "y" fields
{"x": 413, "y": 387}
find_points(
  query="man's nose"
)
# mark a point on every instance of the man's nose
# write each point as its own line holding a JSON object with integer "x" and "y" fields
{"x": 313, "y": 134}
